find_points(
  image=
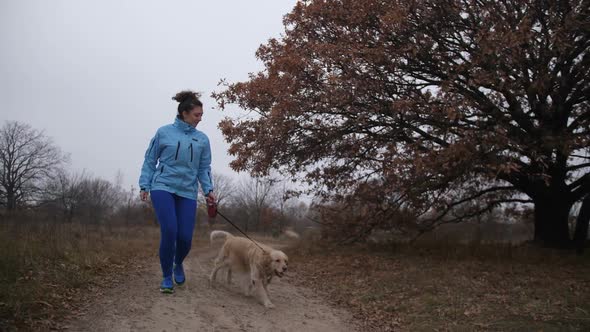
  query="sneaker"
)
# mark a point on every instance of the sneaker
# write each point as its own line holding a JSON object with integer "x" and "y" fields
{"x": 167, "y": 286}
{"x": 178, "y": 272}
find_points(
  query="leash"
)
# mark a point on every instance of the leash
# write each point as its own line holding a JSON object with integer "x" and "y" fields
{"x": 213, "y": 211}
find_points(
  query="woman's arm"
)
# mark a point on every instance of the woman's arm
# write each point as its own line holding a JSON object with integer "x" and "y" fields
{"x": 204, "y": 172}
{"x": 149, "y": 164}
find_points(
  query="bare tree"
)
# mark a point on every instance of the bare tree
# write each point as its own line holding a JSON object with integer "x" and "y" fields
{"x": 253, "y": 196}
{"x": 224, "y": 188}
{"x": 27, "y": 158}
{"x": 287, "y": 202}
{"x": 64, "y": 193}
{"x": 82, "y": 197}
{"x": 100, "y": 199}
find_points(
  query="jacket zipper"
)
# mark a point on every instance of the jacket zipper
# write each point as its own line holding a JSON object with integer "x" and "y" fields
{"x": 191, "y": 147}
{"x": 177, "y": 147}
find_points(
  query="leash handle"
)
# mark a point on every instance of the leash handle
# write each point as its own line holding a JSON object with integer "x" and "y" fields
{"x": 212, "y": 209}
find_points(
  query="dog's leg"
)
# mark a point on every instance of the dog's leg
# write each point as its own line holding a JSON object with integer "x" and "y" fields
{"x": 252, "y": 281}
{"x": 262, "y": 295}
{"x": 229, "y": 275}
{"x": 259, "y": 286}
{"x": 265, "y": 284}
{"x": 253, "y": 273}
{"x": 246, "y": 286}
{"x": 219, "y": 263}
{"x": 213, "y": 275}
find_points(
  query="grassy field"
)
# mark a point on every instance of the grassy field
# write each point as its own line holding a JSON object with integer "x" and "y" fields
{"x": 46, "y": 268}
{"x": 451, "y": 287}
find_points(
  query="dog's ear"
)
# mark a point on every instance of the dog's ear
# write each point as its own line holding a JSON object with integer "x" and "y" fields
{"x": 266, "y": 257}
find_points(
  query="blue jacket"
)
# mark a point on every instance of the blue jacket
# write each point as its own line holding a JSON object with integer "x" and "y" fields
{"x": 177, "y": 159}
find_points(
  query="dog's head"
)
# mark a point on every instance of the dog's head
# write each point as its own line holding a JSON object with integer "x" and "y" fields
{"x": 279, "y": 262}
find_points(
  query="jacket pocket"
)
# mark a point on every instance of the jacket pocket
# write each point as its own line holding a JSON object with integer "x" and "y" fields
{"x": 177, "y": 148}
{"x": 196, "y": 184}
{"x": 159, "y": 173}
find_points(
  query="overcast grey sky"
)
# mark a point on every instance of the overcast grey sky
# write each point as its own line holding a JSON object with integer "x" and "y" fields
{"x": 98, "y": 76}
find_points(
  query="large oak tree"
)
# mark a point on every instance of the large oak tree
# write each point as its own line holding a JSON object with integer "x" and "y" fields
{"x": 439, "y": 102}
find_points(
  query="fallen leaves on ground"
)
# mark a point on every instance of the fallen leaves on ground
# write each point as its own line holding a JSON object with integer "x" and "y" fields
{"x": 415, "y": 289}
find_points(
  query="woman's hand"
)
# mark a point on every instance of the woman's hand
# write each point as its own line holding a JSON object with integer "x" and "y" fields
{"x": 143, "y": 195}
{"x": 211, "y": 198}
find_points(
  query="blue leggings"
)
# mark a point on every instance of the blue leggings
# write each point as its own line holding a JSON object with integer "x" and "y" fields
{"x": 176, "y": 216}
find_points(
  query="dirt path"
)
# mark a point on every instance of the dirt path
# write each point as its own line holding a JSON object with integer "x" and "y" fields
{"x": 136, "y": 305}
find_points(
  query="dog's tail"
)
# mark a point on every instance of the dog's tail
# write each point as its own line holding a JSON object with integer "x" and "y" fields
{"x": 219, "y": 235}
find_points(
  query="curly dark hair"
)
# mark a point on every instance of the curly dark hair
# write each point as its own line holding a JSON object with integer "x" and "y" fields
{"x": 187, "y": 101}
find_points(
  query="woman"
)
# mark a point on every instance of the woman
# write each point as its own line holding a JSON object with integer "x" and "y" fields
{"x": 177, "y": 160}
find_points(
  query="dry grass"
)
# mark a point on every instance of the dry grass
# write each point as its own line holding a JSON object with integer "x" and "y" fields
{"x": 46, "y": 268}
{"x": 452, "y": 288}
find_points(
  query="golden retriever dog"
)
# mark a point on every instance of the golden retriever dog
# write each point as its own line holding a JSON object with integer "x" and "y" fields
{"x": 259, "y": 261}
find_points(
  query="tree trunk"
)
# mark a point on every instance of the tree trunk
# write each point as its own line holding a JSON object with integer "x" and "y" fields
{"x": 10, "y": 200}
{"x": 551, "y": 222}
{"x": 581, "y": 233}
